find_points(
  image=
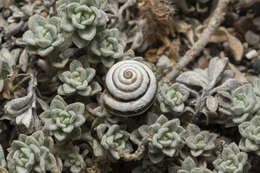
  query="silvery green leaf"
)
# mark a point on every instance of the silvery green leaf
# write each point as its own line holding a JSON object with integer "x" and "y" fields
{"x": 107, "y": 46}
{"x": 243, "y": 104}
{"x": 114, "y": 139}
{"x": 167, "y": 138}
{"x": 44, "y": 35}
{"x": 173, "y": 98}
{"x": 199, "y": 142}
{"x": 250, "y": 136}
{"x": 237, "y": 163}
{"x": 256, "y": 86}
{"x": 63, "y": 120}
{"x": 193, "y": 78}
{"x": 215, "y": 70}
{"x": 1, "y": 85}
{"x": 212, "y": 103}
{"x": 30, "y": 153}
{"x": 23, "y": 109}
{"x": 97, "y": 149}
{"x": 79, "y": 80}
{"x": 2, "y": 158}
{"x": 75, "y": 162}
{"x": 82, "y": 18}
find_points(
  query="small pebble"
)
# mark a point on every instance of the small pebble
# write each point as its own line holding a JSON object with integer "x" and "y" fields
{"x": 252, "y": 38}
{"x": 256, "y": 22}
{"x": 251, "y": 54}
{"x": 203, "y": 63}
{"x": 256, "y": 66}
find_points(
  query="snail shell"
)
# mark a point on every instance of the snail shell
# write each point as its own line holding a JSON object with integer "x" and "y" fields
{"x": 130, "y": 88}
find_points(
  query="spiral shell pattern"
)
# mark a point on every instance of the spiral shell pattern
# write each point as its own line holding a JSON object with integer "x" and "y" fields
{"x": 130, "y": 88}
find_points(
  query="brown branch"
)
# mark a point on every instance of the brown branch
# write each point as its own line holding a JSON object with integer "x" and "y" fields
{"x": 215, "y": 21}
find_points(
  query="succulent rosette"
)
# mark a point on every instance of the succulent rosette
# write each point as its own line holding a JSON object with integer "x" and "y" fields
{"x": 167, "y": 138}
{"x": 31, "y": 154}
{"x": 172, "y": 98}
{"x": 75, "y": 162}
{"x": 63, "y": 120}
{"x": 190, "y": 166}
{"x": 83, "y": 18}
{"x": 114, "y": 139}
{"x": 107, "y": 47}
{"x": 78, "y": 80}
{"x": 250, "y": 132}
{"x": 243, "y": 104}
{"x": 7, "y": 61}
{"x": 44, "y": 35}
{"x": 200, "y": 142}
{"x": 231, "y": 160}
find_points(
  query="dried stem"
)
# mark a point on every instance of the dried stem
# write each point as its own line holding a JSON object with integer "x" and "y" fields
{"x": 138, "y": 154}
{"x": 214, "y": 23}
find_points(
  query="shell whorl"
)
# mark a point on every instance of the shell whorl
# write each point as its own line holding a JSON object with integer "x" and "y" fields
{"x": 130, "y": 88}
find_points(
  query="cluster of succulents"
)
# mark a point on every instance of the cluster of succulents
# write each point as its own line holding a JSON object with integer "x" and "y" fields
{"x": 190, "y": 166}
{"x": 231, "y": 160}
{"x": 32, "y": 154}
{"x": 82, "y": 19}
{"x": 78, "y": 80}
{"x": 166, "y": 138}
{"x": 114, "y": 139}
{"x": 59, "y": 120}
{"x": 7, "y": 63}
{"x": 243, "y": 105}
{"x": 249, "y": 131}
{"x": 63, "y": 120}
{"x": 44, "y": 35}
{"x": 199, "y": 142}
{"x": 172, "y": 98}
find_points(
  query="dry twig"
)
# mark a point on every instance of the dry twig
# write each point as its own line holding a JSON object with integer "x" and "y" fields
{"x": 214, "y": 23}
{"x": 138, "y": 154}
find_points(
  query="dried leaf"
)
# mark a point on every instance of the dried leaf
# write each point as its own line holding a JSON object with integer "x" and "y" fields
{"x": 238, "y": 75}
{"x": 236, "y": 47}
{"x": 219, "y": 35}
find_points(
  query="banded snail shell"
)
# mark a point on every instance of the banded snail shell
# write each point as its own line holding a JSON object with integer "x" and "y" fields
{"x": 130, "y": 88}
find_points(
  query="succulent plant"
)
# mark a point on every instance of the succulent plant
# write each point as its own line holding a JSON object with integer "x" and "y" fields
{"x": 172, "y": 98}
{"x": 166, "y": 138}
{"x": 200, "y": 142}
{"x": 147, "y": 167}
{"x": 256, "y": 87}
{"x": 114, "y": 139}
{"x": 83, "y": 18}
{"x": 205, "y": 80}
{"x": 190, "y": 166}
{"x": 22, "y": 110}
{"x": 31, "y": 154}
{"x": 7, "y": 61}
{"x": 78, "y": 80}
{"x": 44, "y": 35}
{"x": 231, "y": 160}
{"x": 75, "y": 162}
{"x": 2, "y": 161}
{"x": 102, "y": 116}
{"x": 243, "y": 104}
{"x": 250, "y": 132}
{"x": 107, "y": 47}
{"x": 63, "y": 120}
